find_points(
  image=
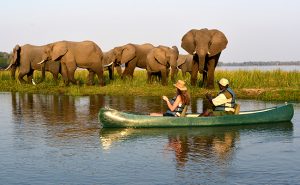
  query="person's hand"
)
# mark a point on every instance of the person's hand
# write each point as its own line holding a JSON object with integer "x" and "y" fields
{"x": 208, "y": 96}
{"x": 165, "y": 98}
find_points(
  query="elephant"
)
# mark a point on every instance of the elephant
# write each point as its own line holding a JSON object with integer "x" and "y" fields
{"x": 185, "y": 64}
{"x": 109, "y": 65}
{"x": 85, "y": 54}
{"x": 206, "y": 46}
{"x": 27, "y": 57}
{"x": 132, "y": 55}
{"x": 160, "y": 59}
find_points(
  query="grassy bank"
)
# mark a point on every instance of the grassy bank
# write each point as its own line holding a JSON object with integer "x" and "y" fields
{"x": 262, "y": 85}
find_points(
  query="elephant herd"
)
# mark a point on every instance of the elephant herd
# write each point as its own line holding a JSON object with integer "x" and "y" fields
{"x": 204, "y": 48}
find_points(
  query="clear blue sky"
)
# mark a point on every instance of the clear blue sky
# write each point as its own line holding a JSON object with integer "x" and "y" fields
{"x": 257, "y": 30}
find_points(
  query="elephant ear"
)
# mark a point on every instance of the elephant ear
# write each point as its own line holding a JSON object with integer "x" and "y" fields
{"x": 181, "y": 60}
{"x": 16, "y": 53}
{"x": 160, "y": 56}
{"x": 218, "y": 43}
{"x": 188, "y": 41}
{"x": 59, "y": 50}
{"x": 128, "y": 53}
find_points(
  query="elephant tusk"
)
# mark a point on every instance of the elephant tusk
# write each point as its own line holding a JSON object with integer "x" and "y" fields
{"x": 8, "y": 66}
{"x": 33, "y": 82}
{"x": 108, "y": 64}
{"x": 41, "y": 62}
{"x": 194, "y": 52}
{"x": 208, "y": 52}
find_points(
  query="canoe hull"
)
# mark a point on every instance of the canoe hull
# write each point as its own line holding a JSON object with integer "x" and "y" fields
{"x": 110, "y": 118}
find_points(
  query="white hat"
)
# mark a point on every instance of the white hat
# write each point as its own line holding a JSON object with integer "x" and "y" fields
{"x": 223, "y": 82}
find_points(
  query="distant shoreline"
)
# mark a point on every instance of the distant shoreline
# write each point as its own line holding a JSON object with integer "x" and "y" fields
{"x": 259, "y": 63}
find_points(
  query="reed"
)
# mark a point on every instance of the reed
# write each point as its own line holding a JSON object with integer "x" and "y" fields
{"x": 262, "y": 85}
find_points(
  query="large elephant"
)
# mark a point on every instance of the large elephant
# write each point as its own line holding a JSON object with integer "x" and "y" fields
{"x": 27, "y": 57}
{"x": 109, "y": 65}
{"x": 159, "y": 60}
{"x": 85, "y": 54}
{"x": 132, "y": 55}
{"x": 185, "y": 64}
{"x": 207, "y": 46}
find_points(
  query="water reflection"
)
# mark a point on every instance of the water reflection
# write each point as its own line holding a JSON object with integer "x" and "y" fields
{"x": 196, "y": 145}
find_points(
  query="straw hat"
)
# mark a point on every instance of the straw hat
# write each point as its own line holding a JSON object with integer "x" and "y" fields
{"x": 223, "y": 82}
{"x": 180, "y": 85}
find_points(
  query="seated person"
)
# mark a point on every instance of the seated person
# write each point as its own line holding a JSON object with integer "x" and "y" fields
{"x": 176, "y": 104}
{"x": 223, "y": 103}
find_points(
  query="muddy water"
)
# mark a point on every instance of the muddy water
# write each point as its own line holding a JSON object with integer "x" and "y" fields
{"x": 49, "y": 139}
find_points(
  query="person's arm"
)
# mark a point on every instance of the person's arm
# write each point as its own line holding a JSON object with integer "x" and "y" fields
{"x": 209, "y": 97}
{"x": 219, "y": 100}
{"x": 175, "y": 104}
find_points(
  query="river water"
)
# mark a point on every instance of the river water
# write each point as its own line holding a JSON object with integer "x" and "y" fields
{"x": 52, "y": 139}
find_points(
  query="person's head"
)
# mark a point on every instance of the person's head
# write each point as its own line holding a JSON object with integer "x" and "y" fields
{"x": 223, "y": 83}
{"x": 182, "y": 91}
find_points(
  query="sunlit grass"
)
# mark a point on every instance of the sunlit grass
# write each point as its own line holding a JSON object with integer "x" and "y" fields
{"x": 255, "y": 84}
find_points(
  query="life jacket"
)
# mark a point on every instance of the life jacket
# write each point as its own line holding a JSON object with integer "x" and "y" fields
{"x": 228, "y": 104}
{"x": 178, "y": 109}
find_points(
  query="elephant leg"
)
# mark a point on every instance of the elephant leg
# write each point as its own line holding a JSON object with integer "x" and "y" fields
{"x": 43, "y": 72}
{"x": 129, "y": 69}
{"x": 30, "y": 76}
{"x": 194, "y": 73}
{"x": 55, "y": 76}
{"x": 13, "y": 72}
{"x": 204, "y": 79}
{"x": 91, "y": 78}
{"x": 111, "y": 72}
{"x": 211, "y": 71}
{"x": 21, "y": 76}
{"x": 99, "y": 73}
{"x": 64, "y": 73}
{"x": 119, "y": 70}
{"x": 164, "y": 77}
{"x": 71, "y": 71}
{"x": 149, "y": 76}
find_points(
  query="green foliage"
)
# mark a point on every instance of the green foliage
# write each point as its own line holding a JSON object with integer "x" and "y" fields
{"x": 262, "y": 85}
{"x": 4, "y": 59}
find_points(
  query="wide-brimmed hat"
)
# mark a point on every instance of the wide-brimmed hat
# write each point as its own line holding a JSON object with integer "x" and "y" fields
{"x": 223, "y": 82}
{"x": 180, "y": 85}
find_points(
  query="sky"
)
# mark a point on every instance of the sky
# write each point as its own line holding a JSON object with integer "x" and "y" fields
{"x": 257, "y": 30}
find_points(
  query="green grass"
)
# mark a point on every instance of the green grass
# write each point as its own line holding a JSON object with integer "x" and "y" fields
{"x": 261, "y": 85}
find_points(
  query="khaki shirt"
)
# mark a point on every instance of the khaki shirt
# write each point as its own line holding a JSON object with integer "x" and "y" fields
{"x": 221, "y": 99}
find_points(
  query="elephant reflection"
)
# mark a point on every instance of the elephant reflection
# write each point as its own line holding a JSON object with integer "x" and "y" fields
{"x": 206, "y": 46}
{"x": 219, "y": 146}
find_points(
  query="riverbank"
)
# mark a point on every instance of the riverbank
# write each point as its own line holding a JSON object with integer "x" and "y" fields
{"x": 274, "y": 85}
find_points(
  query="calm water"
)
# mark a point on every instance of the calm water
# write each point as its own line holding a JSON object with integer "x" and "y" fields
{"x": 48, "y": 139}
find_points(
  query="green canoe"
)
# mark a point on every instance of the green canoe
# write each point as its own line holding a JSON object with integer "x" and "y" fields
{"x": 110, "y": 118}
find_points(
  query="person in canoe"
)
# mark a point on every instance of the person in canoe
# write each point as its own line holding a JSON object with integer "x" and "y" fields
{"x": 223, "y": 103}
{"x": 176, "y": 104}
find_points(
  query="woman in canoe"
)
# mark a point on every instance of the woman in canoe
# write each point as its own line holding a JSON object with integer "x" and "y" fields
{"x": 176, "y": 104}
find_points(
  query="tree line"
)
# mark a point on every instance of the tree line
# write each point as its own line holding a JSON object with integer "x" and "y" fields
{"x": 260, "y": 63}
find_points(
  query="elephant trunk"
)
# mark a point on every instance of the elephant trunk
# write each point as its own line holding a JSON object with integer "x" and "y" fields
{"x": 201, "y": 59}
{"x": 173, "y": 73}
